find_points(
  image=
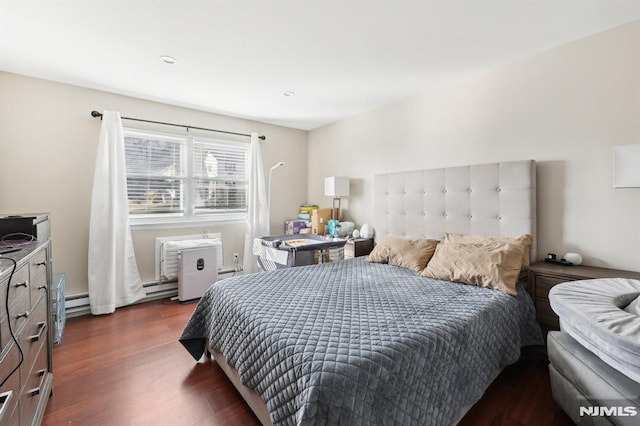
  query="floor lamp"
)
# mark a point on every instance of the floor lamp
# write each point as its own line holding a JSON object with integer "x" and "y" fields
{"x": 280, "y": 164}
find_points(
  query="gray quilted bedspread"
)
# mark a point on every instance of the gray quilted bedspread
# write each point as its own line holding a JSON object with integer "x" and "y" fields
{"x": 359, "y": 343}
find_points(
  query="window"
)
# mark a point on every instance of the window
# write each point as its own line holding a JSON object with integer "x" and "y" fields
{"x": 174, "y": 178}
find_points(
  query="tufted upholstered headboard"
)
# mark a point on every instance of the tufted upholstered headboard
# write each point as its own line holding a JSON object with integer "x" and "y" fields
{"x": 486, "y": 199}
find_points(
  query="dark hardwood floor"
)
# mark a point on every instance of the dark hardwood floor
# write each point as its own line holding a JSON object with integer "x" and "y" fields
{"x": 128, "y": 368}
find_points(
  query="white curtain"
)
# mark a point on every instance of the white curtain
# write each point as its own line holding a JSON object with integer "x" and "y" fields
{"x": 114, "y": 280}
{"x": 258, "y": 213}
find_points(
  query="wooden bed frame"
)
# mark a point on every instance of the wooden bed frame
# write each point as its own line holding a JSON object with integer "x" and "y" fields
{"x": 497, "y": 199}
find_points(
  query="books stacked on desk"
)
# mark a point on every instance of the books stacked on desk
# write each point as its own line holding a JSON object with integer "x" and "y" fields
{"x": 305, "y": 211}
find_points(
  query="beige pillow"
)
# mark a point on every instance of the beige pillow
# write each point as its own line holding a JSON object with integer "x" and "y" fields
{"x": 411, "y": 254}
{"x": 524, "y": 240}
{"x": 495, "y": 265}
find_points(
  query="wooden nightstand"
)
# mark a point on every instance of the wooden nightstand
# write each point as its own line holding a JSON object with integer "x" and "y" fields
{"x": 358, "y": 247}
{"x": 543, "y": 276}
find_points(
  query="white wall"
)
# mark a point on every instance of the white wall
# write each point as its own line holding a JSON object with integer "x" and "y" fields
{"x": 48, "y": 146}
{"x": 565, "y": 108}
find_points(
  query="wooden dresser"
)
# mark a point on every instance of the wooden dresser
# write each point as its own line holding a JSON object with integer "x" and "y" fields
{"x": 25, "y": 393}
{"x": 543, "y": 276}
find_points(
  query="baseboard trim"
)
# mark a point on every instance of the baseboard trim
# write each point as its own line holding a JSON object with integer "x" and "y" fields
{"x": 77, "y": 305}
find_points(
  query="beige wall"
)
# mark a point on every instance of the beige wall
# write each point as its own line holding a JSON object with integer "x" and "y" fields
{"x": 565, "y": 108}
{"x": 48, "y": 146}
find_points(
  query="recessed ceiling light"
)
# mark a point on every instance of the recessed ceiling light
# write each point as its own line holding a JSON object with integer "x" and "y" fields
{"x": 289, "y": 93}
{"x": 168, "y": 59}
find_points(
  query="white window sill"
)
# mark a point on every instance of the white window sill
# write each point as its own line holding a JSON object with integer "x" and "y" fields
{"x": 138, "y": 223}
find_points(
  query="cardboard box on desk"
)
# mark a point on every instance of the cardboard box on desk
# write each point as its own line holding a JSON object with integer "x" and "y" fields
{"x": 319, "y": 218}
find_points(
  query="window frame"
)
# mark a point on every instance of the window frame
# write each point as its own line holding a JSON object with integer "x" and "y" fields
{"x": 188, "y": 217}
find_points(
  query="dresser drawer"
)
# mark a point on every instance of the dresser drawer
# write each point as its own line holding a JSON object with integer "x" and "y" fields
{"x": 38, "y": 288}
{"x": 19, "y": 285}
{"x": 35, "y": 387}
{"x": 38, "y": 265}
{"x": 34, "y": 336}
{"x": 7, "y": 364}
{"x": 5, "y": 337}
{"x": 14, "y": 418}
{"x": 544, "y": 283}
{"x": 19, "y": 304}
{"x": 19, "y": 313}
{"x": 9, "y": 412}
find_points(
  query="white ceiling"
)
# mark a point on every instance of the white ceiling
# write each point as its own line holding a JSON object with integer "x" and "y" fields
{"x": 237, "y": 57}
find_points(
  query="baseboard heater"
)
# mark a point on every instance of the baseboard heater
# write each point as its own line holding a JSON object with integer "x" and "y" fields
{"x": 197, "y": 277}
{"x": 78, "y": 304}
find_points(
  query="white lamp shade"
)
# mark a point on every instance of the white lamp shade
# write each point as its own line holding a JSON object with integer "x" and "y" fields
{"x": 626, "y": 166}
{"x": 336, "y": 186}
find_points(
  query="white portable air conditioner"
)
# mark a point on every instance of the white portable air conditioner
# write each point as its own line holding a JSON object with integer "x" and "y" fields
{"x": 197, "y": 271}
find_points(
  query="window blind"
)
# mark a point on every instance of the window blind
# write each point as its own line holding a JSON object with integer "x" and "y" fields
{"x": 155, "y": 174}
{"x": 185, "y": 176}
{"x": 219, "y": 176}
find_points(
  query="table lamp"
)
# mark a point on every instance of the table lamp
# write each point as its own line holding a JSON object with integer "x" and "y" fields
{"x": 336, "y": 187}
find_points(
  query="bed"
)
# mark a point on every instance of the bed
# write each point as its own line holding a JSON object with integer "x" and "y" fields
{"x": 594, "y": 361}
{"x": 357, "y": 342}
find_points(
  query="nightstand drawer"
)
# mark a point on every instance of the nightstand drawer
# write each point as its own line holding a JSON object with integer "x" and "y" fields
{"x": 545, "y": 314}
{"x": 544, "y": 276}
{"x": 545, "y": 283}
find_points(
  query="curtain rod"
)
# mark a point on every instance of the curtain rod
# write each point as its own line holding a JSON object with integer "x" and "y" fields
{"x": 99, "y": 114}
